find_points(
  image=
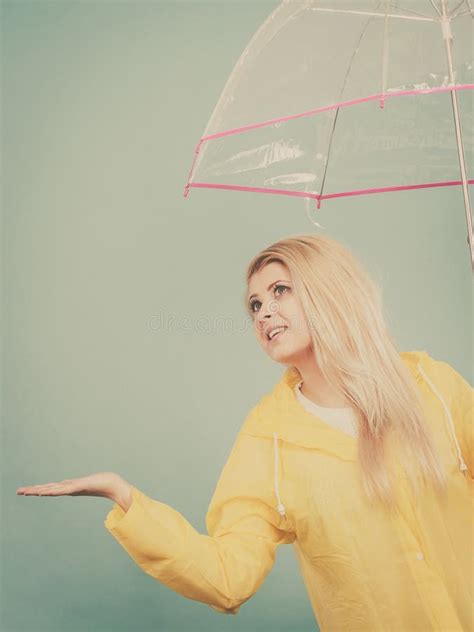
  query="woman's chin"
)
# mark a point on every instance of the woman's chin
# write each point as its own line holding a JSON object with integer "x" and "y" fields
{"x": 282, "y": 354}
{"x": 290, "y": 355}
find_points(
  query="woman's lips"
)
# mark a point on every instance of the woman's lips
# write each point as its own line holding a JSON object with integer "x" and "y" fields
{"x": 277, "y": 335}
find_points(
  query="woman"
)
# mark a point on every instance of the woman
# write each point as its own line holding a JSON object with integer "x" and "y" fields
{"x": 360, "y": 456}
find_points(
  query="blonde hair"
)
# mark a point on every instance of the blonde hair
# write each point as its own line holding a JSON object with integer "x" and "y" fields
{"x": 351, "y": 342}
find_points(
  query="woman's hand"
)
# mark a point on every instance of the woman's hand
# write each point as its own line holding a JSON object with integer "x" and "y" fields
{"x": 103, "y": 484}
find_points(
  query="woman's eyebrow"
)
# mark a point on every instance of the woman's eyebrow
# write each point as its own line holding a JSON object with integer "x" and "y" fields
{"x": 271, "y": 284}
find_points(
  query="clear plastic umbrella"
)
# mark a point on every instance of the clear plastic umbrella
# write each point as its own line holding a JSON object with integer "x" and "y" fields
{"x": 337, "y": 98}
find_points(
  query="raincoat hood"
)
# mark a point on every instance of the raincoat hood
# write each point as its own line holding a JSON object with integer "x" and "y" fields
{"x": 282, "y": 418}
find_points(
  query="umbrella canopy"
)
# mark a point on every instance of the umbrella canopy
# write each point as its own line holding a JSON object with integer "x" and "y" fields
{"x": 336, "y": 98}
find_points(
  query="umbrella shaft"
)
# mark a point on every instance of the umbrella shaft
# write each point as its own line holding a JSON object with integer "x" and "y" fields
{"x": 448, "y": 39}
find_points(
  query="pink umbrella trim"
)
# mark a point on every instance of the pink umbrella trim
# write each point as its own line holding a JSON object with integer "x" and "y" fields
{"x": 380, "y": 96}
{"x": 319, "y": 198}
{"x": 373, "y": 97}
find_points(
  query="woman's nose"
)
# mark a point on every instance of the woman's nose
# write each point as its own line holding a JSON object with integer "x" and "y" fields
{"x": 266, "y": 311}
{"x": 262, "y": 322}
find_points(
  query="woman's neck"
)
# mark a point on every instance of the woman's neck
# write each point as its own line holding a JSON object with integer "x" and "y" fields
{"x": 316, "y": 388}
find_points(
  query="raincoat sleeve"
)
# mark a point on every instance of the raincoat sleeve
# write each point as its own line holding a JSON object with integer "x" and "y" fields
{"x": 226, "y": 566}
{"x": 462, "y": 411}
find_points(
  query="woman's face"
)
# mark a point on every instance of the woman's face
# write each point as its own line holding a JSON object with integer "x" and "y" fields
{"x": 272, "y": 303}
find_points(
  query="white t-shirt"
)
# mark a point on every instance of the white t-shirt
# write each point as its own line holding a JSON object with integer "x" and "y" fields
{"x": 341, "y": 418}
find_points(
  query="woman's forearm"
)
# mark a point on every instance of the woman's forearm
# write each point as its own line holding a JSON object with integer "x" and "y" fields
{"x": 222, "y": 569}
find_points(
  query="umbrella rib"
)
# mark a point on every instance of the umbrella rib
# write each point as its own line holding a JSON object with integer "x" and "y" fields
{"x": 436, "y": 8}
{"x": 323, "y": 180}
{"x": 363, "y": 31}
{"x": 415, "y": 16}
{"x": 465, "y": 12}
{"x": 395, "y": 6}
{"x": 453, "y": 12}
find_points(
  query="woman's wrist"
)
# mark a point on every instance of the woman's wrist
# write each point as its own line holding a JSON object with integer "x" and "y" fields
{"x": 122, "y": 493}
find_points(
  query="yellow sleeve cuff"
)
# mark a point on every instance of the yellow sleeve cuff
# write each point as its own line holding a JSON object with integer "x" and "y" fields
{"x": 117, "y": 514}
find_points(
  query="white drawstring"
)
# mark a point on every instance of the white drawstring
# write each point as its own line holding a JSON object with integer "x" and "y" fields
{"x": 281, "y": 506}
{"x": 462, "y": 465}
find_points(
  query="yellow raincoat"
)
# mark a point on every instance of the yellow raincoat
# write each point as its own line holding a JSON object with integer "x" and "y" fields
{"x": 292, "y": 478}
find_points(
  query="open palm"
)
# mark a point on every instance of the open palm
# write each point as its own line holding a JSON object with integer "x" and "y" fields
{"x": 99, "y": 484}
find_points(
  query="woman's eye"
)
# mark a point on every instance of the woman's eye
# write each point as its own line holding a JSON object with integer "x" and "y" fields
{"x": 252, "y": 305}
{"x": 280, "y": 286}
{"x": 275, "y": 289}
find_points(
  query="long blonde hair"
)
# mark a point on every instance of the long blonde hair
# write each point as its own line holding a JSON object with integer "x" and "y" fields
{"x": 344, "y": 314}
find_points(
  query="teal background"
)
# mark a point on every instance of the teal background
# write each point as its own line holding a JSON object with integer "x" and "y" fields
{"x": 125, "y": 342}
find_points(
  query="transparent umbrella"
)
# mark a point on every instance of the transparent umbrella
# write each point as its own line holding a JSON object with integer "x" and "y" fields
{"x": 335, "y": 98}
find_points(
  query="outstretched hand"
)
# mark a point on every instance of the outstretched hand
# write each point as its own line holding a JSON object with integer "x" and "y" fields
{"x": 101, "y": 484}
